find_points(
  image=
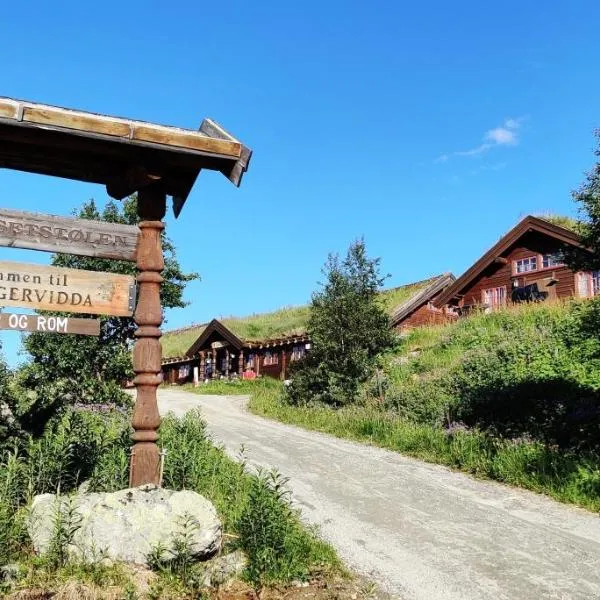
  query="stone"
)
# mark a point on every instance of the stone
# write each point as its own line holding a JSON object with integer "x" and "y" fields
{"x": 9, "y": 574}
{"x": 129, "y": 524}
{"x": 221, "y": 570}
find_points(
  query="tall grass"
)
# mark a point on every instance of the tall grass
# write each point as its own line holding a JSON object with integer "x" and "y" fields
{"x": 566, "y": 476}
{"x": 256, "y": 514}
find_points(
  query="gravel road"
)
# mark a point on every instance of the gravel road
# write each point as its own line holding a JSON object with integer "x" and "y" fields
{"x": 420, "y": 531}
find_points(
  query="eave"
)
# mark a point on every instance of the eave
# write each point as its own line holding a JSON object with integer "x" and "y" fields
{"x": 122, "y": 154}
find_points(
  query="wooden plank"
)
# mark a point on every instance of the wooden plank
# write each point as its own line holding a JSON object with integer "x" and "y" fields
{"x": 84, "y": 237}
{"x": 50, "y": 324}
{"x": 57, "y": 117}
{"x": 8, "y": 109}
{"x": 65, "y": 290}
{"x": 235, "y": 172}
{"x": 185, "y": 139}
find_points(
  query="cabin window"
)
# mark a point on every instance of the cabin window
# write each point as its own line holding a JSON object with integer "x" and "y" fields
{"x": 271, "y": 358}
{"x": 584, "y": 285}
{"x": 298, "y": 352}
{"x": 251, "y": 361}
{"x": 184, "y": 371}
{"x": 526, "y": 264}
{"x": 552, "y": 260}
{"x": 494, "y": 296}
{"x": 596, "y": 282}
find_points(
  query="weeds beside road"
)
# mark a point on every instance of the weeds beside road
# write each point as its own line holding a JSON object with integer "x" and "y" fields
{"x": 81, "y": 446}
{"x": 565, "y": 476}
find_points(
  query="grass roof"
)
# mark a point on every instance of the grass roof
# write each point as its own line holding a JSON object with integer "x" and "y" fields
{"x": 562, "y": 221}
{"x": 290, "y": 320}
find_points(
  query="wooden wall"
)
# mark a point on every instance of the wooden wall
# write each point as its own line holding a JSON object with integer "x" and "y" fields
{"x": 425, "y": 315}
{"x": 498, "y": 275}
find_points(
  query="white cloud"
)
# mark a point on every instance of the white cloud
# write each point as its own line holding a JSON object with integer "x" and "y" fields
{"x": 505, "y": 135}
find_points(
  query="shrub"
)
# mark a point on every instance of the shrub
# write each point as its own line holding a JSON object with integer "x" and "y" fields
{"x": 531, "y": 371}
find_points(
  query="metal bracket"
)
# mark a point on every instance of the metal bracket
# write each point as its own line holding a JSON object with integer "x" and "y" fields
{"x": 132, "y": 297}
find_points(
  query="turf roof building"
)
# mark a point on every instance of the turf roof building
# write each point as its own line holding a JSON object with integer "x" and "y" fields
{"x": 268, "y": 344}
{"x": 525, "y": 265}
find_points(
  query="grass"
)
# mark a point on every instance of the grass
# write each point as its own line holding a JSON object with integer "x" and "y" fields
{"x": 255, "y": 509}
{"x": 567, "y": 477}
{"x": 291, "y": 320}
{"x": 511, "y": 396}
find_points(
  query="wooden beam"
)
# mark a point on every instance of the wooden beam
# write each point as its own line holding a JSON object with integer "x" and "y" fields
{"x": 500, "y": 260}
{"x": 132, "y": 180}
{"x": 145, "y": 459}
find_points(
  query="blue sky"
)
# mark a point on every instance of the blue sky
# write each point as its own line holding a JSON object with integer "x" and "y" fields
{"x": 430, "y": 128}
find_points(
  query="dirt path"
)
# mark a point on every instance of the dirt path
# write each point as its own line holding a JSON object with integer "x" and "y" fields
{"x": 421, "y": 531}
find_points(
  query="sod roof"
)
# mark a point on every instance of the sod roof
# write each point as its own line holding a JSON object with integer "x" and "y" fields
{"x": 287, "y": 321}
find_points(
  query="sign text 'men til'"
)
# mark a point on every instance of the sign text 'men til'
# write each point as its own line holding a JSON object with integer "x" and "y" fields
{"x": 66, "y": 290}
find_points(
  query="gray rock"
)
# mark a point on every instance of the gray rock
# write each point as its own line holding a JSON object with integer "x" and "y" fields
{"x": 223, "y": 569}
{"x": 9, "y": 573}
{"x": 127, "y": 525}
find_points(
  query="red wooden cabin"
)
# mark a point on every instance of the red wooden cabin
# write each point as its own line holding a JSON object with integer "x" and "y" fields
{"x": 219, "y": 354}
{"x": 525, "y": 264}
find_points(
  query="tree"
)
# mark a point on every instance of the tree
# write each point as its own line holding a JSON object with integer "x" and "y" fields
{"x": 69, "y": 368}
{"x": 588, "y": 198}
{"x": 348, "y": 328}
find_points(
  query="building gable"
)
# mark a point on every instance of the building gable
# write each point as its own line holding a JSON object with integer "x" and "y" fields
{"x": 496, "y": 263}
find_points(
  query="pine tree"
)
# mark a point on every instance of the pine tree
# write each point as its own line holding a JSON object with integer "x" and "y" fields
{"x": 348, "y": 328}
{"x": 588, "y": 198}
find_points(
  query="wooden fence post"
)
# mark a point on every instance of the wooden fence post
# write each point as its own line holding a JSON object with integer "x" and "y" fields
{"x": 145, "y": 462}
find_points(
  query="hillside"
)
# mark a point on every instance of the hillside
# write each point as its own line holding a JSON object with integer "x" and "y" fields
{"x": 532, "y": 370}
{"x": 512, "y": 396}
{"x": 285, "y": 321}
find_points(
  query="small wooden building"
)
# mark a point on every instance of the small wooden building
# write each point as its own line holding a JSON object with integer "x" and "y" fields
{"x": 420, "y": 309}
{"x": 525, "y": 265}
{"x": 219, "y": 354}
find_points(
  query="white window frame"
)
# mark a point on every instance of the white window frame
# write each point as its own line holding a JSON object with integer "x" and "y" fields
{"x": 270, "y": 358}
{"x": 531, "y": 260}
{"x": 552, "y": 256}
{"x": 497, "y": 295}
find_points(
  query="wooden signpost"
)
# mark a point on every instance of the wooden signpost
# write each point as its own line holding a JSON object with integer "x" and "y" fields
{"x": 83, "y": 237}
{"x": 66, "y": 290}
{"x": 50, "y": 324}
{"x": 127, "y": 157}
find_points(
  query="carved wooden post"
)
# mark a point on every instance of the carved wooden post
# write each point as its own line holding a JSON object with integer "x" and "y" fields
{"x": 241, "y": 363}
{"x": 202, "y": 366}
{"x": 283, "y": 363}
{"x": 214, "y": 364}
{"x": 145, "y": 462}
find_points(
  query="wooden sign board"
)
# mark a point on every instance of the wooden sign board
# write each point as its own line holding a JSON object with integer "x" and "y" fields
{"x": 66, "y": 290}
{"x": 51, "y": 324}
{"x": 84, "y": 237}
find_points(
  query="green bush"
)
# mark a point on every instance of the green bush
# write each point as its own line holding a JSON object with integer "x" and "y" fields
{"x": 531, "y": 371}
{"x": 95, "y": 447}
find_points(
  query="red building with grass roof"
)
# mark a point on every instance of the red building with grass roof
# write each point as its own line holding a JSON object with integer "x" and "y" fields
{"x": 268, "y": 344}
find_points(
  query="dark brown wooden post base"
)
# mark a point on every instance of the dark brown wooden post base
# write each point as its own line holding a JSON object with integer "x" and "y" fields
{"x": 145, "y": 460}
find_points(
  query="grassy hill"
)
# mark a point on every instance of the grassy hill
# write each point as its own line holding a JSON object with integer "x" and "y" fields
{"x": 512, "y": 396}
{"x": 290, "y": 320}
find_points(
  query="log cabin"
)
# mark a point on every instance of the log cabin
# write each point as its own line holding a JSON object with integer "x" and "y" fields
{"x": 525, "y": 265}
{"x": 420, "y": 309}
{"x": 220, "y": 354}
{"x": 267, "y": 345}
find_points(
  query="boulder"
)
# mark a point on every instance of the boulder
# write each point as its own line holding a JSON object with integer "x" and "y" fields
{"x": 223, "y": 569}
{"x": 127, "y": 525}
